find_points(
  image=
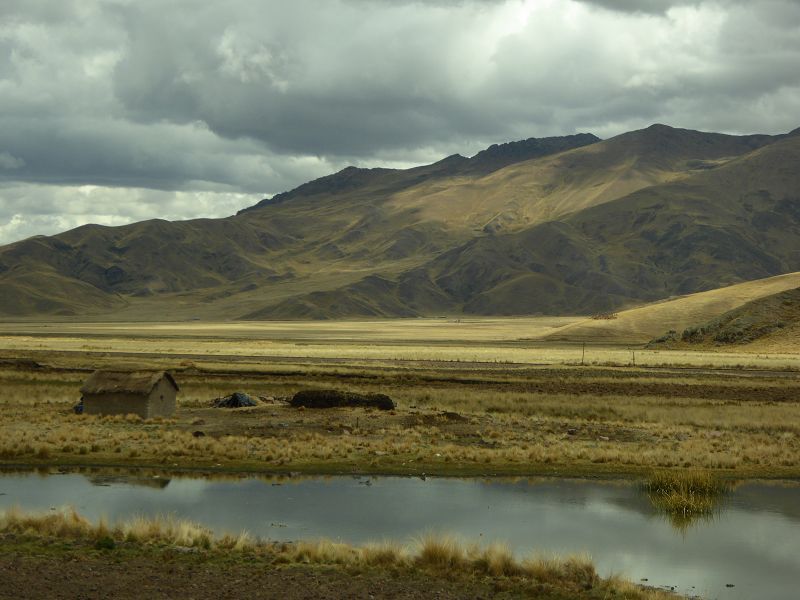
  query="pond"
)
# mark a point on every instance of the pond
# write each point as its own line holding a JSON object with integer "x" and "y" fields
{"x": 750, "y": 549}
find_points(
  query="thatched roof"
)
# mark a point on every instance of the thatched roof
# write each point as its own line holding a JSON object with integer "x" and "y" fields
{"x": 127, "y": 382}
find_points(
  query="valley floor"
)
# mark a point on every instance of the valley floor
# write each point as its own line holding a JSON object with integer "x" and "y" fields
{"x": 459, "y": 415}
{"x": 431, "y": 343}
{"x": 451, "y": 418}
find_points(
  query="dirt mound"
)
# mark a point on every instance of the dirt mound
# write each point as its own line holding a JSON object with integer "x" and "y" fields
{"x": 336, "y": 398}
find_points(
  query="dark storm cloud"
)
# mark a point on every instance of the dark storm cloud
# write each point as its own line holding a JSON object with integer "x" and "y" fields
{"x": 202, "y": 108}
{"x": 650, "y": 6}
{"x": 355, "y": 78}
{"x": 644, "y": 6}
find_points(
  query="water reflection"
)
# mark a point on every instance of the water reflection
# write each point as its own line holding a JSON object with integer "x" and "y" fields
{"x": 105, "y": 480}
{"x": 753, "y": 541}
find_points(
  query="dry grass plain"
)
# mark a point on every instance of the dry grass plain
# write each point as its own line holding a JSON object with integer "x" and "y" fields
{"x": 523, "y": 341}
{"x": 493, "y": 406}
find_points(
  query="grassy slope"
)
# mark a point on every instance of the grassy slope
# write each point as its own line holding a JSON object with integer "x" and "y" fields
{"x": 548, "y": 189}
{"x": 769, "y": 323}
{"x": 643, "y": 323}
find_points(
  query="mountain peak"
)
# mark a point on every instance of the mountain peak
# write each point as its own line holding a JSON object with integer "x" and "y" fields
{"x": 453, "y": 158}
{"x": 661, "y": 127}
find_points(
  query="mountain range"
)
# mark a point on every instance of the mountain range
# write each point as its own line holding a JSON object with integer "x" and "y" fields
{"x": 562, "y": 225}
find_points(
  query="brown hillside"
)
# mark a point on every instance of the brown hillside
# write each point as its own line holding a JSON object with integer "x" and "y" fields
{"x": 548, "y": 189}
{"x": 737, "y": 222}
{"x": 462, "y": 235}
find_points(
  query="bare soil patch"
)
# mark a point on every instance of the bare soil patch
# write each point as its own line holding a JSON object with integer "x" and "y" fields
{"x": 170, "y": 574}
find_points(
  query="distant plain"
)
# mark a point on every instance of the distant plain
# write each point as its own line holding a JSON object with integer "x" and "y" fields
{"x": 499, "y": 341}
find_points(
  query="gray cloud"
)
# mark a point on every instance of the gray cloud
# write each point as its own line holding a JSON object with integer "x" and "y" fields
{"x": 241, "y": 99}
{"x": 640, "y": 6}
{"x": 28, "y": 209}
{"x": 651, "y": 6}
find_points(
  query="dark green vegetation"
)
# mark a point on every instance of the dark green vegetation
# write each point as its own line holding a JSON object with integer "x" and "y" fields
{"x": 560, "y": 226}
{"x": 773, "y": 320}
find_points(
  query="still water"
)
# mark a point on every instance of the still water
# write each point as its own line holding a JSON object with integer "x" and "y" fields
{"x": 753, "y": 544}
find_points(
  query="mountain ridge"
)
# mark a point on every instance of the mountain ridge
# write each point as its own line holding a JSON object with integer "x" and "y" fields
{"x": 593, "y": 227}
{"x": 560, "y": 267}
{"x": 486, "y": 161}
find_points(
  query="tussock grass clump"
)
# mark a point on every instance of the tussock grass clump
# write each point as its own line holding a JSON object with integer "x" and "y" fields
{"x": 165, "y": 530}
{"x": 498, "y": 561}
{"x": 577, "y": 568}
{"x": 384, "y": 554}
{"x": 67, "y": 523}
{"x": 445, "y": 553}
{"x": 686, "y": 493}
{"x": 440, "y": 552}
{"x": 323, "y": 552}
{"x": 63, "y": 524}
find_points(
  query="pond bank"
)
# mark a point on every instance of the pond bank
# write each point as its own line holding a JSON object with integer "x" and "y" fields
{"x": 750, "y": 542}
{"x": 46, "y": 567}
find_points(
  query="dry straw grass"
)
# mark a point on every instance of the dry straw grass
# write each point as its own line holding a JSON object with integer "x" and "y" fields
{"x": 498, "y": 425}
{"x": 435, "y": 554}
{"x": 497, "y": 341}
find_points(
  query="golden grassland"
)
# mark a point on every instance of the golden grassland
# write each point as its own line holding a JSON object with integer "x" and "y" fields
{"x": 643, "y": 323}
{"x": 455, "y": 330}
{"x": 387, "y": 351}
{"x": 455, "y": 421}
{"x": 572, "y": 576}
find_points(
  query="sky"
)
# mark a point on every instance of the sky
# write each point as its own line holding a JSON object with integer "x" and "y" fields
{"x": 114, "y": 111}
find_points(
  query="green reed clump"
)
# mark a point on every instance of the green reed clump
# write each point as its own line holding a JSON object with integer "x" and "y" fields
{"x": 685, "y": 494}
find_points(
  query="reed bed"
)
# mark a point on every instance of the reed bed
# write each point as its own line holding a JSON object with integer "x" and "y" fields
{"x": 686, "y": 493}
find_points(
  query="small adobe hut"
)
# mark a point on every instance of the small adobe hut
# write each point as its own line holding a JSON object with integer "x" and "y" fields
{"x": 144, "y": 393}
